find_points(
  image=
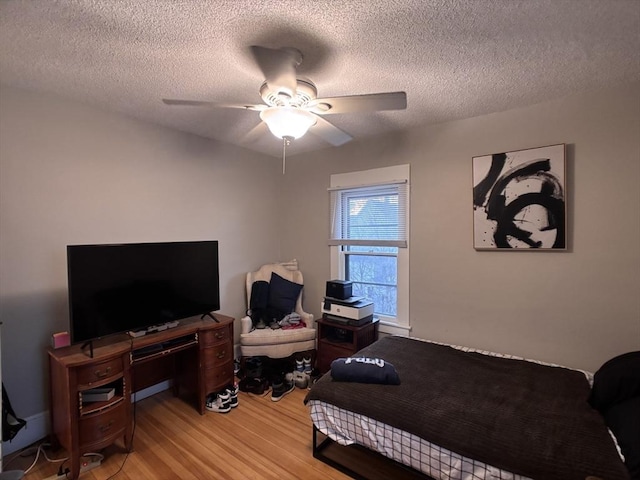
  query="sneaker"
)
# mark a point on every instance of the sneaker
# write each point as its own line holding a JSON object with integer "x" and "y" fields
{"x": 233, "y": 395}
{"x": 299, "y": 366}
{"x": 236, "y": 366}
{"x": 254, "y": 385}
{"x": 218, "y": 402}
{"x": 307, "y": 365}
{"x": 279, "y": 390}
{"x": 300, "y": 379}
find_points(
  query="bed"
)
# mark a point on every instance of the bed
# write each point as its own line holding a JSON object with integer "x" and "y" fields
{"x": 464, "y": 414}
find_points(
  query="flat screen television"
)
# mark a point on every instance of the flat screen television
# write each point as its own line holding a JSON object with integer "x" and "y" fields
{"x": 116, "y": 288}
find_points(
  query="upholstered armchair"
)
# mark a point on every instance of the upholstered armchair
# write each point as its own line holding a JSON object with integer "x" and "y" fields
{"x": 279, "y": 343}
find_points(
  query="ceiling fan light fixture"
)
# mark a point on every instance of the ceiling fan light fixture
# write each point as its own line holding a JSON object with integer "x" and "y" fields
{"x": 288, "y": 121}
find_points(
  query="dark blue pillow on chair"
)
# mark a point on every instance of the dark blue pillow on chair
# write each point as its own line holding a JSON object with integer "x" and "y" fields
{"x": 283, "y": 294}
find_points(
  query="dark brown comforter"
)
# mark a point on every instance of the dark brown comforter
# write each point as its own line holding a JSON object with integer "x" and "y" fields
{"x": 526, "y": 418}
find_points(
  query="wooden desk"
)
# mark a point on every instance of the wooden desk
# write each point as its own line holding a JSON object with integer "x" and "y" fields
{"x": 197, "y": 355}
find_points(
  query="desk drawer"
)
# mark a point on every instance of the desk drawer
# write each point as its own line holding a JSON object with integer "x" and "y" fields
{"x": 216, "y": 355}
{"x": 219, "y": 377}
{"x": 104, "y": 426}
{"x": 215, "y": 335}
{"x": 98, "y": 372}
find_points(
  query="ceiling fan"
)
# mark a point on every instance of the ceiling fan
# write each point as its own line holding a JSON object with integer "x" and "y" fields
{"x": 291, "y": 105}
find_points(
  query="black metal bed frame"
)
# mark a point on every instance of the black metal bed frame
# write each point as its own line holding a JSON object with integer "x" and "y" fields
{"x": 319, "y": 447}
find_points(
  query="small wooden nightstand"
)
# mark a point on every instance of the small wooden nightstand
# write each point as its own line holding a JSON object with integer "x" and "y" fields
{"x": 336, "y": 340}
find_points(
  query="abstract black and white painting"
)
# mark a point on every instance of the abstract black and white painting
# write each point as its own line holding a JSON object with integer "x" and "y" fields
{"x": 519, "y": 199}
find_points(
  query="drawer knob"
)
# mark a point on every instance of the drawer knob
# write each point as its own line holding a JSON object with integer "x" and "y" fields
{"x": 103, "y": 373}
{"x": 219, "y": 335}
{"x": 222, "y": 354}
{"x": 107, "y": 427}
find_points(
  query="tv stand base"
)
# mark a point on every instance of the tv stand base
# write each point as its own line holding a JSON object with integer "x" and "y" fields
{"x": 209, "y": 314}
{"x": 90, "y": 345}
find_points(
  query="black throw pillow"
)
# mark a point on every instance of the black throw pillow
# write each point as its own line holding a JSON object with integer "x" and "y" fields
{"x": 624, "y": 421}
{"x": 283, "y": 294}
{"x": 615, "y": 381}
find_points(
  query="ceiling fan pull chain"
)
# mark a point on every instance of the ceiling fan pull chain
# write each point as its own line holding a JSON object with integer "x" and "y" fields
{"x": 285, "y": 142}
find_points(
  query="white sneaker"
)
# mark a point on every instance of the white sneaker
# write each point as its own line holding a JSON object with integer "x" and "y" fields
{"x": 233, "y": 395}
{"x": 301, "y": 379}
{"x": 219, "y": 402}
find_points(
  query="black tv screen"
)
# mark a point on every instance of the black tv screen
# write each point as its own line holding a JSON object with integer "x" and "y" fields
{"x": 116, "y": 288}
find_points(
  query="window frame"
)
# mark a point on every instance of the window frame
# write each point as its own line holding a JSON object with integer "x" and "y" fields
{"x": 387, "y": 175}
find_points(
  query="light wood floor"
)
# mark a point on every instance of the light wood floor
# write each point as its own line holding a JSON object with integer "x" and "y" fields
{"x": 259, "y": 439}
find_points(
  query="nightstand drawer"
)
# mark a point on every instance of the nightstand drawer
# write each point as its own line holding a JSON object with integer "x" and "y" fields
{"x": 328, "y": 352}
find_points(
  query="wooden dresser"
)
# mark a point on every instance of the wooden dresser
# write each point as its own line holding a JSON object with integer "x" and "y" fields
{"x": 197, "y": 356}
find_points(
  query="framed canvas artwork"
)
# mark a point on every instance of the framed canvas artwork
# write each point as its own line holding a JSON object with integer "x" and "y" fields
{"x": 519, "y": 200}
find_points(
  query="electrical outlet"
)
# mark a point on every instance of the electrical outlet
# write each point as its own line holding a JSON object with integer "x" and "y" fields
{"x": 85, "y": 465}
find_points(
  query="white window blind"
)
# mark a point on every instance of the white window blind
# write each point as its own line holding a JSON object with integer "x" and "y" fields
{"x": 373, "y": 215}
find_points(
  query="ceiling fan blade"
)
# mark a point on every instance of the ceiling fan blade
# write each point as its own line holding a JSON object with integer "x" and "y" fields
{"x": 256, "y": 133}
{"x": 198, "y": 103}
{"x": 278, "y": 67}
{"x": 329, "y": 132}
{"x": 359, "y": 103}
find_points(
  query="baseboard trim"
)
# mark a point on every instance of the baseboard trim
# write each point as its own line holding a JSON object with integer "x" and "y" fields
{"x": 152, "y": 390}
{"x": 37, "y": 428}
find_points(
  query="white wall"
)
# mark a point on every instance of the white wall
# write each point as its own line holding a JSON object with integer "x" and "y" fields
{"x": 70, "y": 174}
{"x": 577, "y": 308}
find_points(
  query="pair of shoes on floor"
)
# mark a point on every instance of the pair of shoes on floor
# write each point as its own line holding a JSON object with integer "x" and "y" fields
{"x": 303, "y": 365}
{"x": 224, "y": 401}
{"x": 280, "y": 388}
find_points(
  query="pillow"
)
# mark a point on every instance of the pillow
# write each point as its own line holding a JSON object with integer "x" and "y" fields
{"x": 616, "y": 381}
{"x": 283, "y": 294}
{"x": 364, "y": 370}
{"x": 624, "y": 421}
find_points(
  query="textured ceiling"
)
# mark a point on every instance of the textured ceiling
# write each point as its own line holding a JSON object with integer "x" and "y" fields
{"x": 454, "y": 58}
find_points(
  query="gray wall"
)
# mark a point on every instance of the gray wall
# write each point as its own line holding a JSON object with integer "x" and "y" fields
{"x": 577, "y": 308}
{"x": 72, "y": 175}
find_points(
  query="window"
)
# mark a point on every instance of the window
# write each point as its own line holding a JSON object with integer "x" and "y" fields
{"x": 369, "y": 230}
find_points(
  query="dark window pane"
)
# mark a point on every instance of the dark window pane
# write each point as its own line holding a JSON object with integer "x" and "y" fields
{"x": 374, "y": 277}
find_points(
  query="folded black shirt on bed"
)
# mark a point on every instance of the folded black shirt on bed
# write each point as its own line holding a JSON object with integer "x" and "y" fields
{"x": 364, "y": 370}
